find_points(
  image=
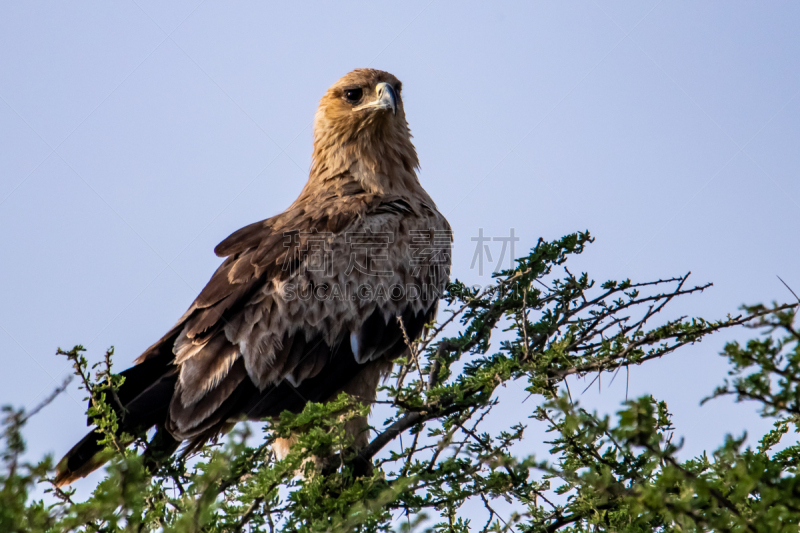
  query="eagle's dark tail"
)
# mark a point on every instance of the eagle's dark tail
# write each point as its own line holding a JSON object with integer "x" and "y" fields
{"x": 83, "y": 459}
{"x": 87, "y": 456}
{"x": 144, "y": 397}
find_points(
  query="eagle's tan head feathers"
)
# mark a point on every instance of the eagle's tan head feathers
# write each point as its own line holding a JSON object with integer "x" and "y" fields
{"x": 361, "y": 122}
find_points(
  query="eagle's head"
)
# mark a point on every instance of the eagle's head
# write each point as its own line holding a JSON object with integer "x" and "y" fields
{"x": 365, "y": 100}
{"x": 362, "y": 116}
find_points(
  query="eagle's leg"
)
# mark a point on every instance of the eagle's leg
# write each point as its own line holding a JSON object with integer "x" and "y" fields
{"x": 363, "y": 387}
{"x": 281, "y": 447}
{"x": 358, "y": 427}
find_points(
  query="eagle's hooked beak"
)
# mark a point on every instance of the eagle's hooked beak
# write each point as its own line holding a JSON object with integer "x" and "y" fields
{"x": 386, "y": 99}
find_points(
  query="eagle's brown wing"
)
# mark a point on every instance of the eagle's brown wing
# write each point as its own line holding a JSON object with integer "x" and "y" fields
{"x": 195, "y": 348}
{"x": 209, "y": 347}
{"x": 244, "y": 348}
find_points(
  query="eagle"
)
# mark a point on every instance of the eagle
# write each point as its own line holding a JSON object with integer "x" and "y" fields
{"x": 318, "y": 300}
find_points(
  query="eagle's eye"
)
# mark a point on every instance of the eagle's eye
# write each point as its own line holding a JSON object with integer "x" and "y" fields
{"x": 353, "y": 95}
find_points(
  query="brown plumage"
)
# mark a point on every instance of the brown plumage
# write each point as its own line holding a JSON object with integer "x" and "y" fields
{"x": 306, "y": 303}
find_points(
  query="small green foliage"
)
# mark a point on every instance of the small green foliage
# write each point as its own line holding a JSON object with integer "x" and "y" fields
{"x": 436, "y": 460}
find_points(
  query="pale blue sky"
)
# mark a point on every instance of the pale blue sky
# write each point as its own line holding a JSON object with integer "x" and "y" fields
{"x": 137, "y": 135}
